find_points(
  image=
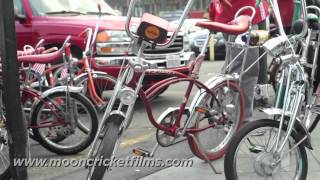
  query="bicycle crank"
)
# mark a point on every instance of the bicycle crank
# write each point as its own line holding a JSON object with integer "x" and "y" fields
{"x": 168, "y": 119}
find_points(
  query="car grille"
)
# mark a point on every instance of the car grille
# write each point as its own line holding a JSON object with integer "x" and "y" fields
{"x": 177, "y": 46}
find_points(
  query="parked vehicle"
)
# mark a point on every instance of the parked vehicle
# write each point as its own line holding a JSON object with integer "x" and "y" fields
{"x": 198, "y": 38}
{"x": 171, "y": 15}
{"x": 54, "y": 20}
{"x": 188, "y": 28}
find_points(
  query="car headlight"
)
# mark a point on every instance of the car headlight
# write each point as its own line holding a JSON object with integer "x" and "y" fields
{"x": 112, "y": 43}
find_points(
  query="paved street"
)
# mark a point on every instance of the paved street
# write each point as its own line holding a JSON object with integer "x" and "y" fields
{"x": 141, "y": 134}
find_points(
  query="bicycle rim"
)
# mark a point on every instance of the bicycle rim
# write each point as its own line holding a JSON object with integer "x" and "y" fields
{"x": 252, "y": 154}
{"x": 103, "y": 86}
{"x": 71, "y": 139}
{"x": 213, "y": 141}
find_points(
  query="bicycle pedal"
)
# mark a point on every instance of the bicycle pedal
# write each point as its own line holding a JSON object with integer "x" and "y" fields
{"x": 141, "y": 152}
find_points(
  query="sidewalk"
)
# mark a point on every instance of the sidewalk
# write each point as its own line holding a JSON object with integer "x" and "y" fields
{"x": 201, "y": 170}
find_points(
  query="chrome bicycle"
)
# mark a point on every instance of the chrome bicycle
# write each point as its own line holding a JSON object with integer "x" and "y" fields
{"x": 215, "y": 111}
{"x": 276, "y": 148}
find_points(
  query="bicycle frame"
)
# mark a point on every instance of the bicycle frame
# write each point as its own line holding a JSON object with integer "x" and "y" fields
{"x": 294, "y": 83}
{"x": 85, "y": 69}
{"x": 129, "y": 87}
{"x": 29, "y": 94}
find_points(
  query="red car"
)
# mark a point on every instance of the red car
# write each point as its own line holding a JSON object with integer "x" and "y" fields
{"x": 54, "y": 20}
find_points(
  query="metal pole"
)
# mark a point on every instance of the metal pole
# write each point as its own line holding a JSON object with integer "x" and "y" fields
{"x": 14, "y": 119}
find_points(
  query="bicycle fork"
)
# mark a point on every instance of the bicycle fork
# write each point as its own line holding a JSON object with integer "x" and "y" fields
{"x": 298, "y": 97}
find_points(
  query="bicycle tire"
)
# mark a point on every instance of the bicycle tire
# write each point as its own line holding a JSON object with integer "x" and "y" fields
{"x": 314, "y": 124}
{"x": 6, "y": 175}
{"x": 52, "y": 145}
{"x": 218, "y": 151}
{"x": 237, "y": 139}
{"x": 106, "y": 148}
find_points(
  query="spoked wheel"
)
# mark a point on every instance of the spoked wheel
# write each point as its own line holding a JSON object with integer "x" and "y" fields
{"x": 61, "y": 80}
{"x": 103, "y": 84}
{"x": 106, "y": 148}
{"x": 227, "y": 116}
{"x": 65, "y": 125}
{"x": 251, "y": 154}
{"x": 4, "y": 152}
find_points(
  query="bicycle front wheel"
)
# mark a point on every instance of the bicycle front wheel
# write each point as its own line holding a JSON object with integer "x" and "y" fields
{"x": 251, "y": 154}
{"x": 228, "y": 103}
{"x": 106, "y": 149}
{"x": 71, "y": 119}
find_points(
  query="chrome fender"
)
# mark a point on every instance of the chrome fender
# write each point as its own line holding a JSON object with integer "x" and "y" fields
{"x": 48, "y": 92}
{"x": 93, "y": 73}
{"x": 73, "y": 89}
{"x": 302, "y": 131}
{"x": 214, "y": 81}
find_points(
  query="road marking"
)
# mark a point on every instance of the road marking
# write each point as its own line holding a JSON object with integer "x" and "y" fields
{"x": 135, "y": 140}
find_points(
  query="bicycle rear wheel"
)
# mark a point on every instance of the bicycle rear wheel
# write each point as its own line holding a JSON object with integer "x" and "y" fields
{"x": 103, "y": 85}
{"x": 251, "y": 155}
{"x": 229, "y": 105}
{"x": 73, "y": 118}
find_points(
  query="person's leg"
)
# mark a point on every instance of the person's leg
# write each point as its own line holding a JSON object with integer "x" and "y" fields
{"x": 263, "y": 72}
{"x": 249, "y": 79}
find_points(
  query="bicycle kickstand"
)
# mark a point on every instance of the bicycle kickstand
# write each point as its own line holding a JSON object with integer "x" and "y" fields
{"x": 204, "y": 155}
